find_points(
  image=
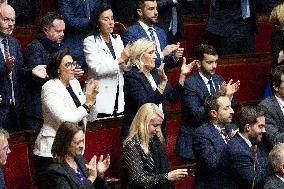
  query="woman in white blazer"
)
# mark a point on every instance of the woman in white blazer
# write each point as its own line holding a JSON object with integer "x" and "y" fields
{"x": 106, "y": 58}
{"x": 62, "y": 100}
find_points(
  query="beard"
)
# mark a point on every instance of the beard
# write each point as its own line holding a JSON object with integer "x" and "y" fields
{"x": 255, "y": 138}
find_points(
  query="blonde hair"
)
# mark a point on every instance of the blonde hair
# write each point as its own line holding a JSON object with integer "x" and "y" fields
{"x": 137, "y": 50}
{"x": 140, "y": 125}
{"x": 276, "y": 156}
{"x": 277, "y": 15}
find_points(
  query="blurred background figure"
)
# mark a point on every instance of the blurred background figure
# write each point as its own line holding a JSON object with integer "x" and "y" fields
{"x": 70, "y": 169}
{"x": 62, "y": 100}
{"x": 144, "y": 158}
{"x": 107, "y": 59}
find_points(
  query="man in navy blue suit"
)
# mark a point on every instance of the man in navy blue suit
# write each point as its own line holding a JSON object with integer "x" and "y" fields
{"x": 233, "y": 22}
{"x": 243, "y": 164}
{"x": 210, "y": 139}
{"x": 145, "y": 28}
{"x": 197, "y": 88}
{"x": 12, "y": 71}
{"x": 76, "y": 14}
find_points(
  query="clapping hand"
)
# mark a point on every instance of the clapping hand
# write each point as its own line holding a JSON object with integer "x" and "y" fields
{"x": 178, "y": 52}
{"x": 186, "y": 68}
{"x": 78, "y": 72}
{"x": 230, "y": 88}
{"x": 40, "y": 71}
{"x": 10, "y": 63}
{"x": 92, "y": 169}
{"x": 103, "y": 165}
{"x": 162, "y": 74}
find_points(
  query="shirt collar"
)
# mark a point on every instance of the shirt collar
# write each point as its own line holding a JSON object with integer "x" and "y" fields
{"x": 145, "y": 27}
{"x": 281, "y": 178}
{"x": 218, "y": 128}
{"x": 204, "y": 78}
{"x": 280, "y": 101}
{"x": 246, "y": 140}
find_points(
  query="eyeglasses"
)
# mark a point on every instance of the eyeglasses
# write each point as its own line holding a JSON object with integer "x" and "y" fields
{"x": 70, "y": 64}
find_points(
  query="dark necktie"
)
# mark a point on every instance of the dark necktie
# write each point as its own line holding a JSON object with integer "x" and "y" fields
{"x": 174, "y": 20}
{"x": 88, "y": 11}
{"x": 254, "y": 155}
{"x": 212, "y": 90}
{"x": 6, "y": 48}
{"x": 7, "y": 55}
{"x": 225, "y": 135}
{"x": 152, "y": 38}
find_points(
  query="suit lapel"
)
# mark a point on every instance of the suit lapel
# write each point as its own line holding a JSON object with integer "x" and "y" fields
{"x": 142, "y": 32}
{"x": 202, "y": 85}
{"x": 277, "y": 109}
{"x": 71, "y": 173}
{"x": 217, "y": 82}
{"x": 216, "y": 135}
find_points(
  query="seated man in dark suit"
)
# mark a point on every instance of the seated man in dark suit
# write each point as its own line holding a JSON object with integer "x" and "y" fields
{"x": 243, "y": 164}
{"x": 274, "y": 107}
{"x": 145, "y": 28}
{"x": 4, "y": 151}
{"x": 276, "y": 160}
{"x": 12, "y": 71}
{"x": 197, "y": 88}
{"x": 210, "y": 139}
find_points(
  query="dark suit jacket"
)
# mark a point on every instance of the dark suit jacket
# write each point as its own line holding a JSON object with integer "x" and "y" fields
{"x": 225, "y": 19}
{"x": 274, "y": 120}
{"x": 61, "y": 175}
{"x": 193, "y": 112}
{"x": 2, "y": 181}
{"x": 75, "y": 17}
{"x": 276, "y": 43}
{"x": 138, "y": 91}
{"x": 273, "y": 182}
{"x": 236, "y": 166}
{"x": 135, "y": 32}
{"x": 208, "y": 145}
{"x": 37, "y": 53}
{"x": 19, "y": 72}
{"x": 165, "y": 15}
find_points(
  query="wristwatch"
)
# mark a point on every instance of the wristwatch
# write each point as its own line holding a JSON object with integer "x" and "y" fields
{"x": 87, "y": 107}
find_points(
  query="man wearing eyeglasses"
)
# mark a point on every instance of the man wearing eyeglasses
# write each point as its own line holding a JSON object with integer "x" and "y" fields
{"x": 4, "y": 151}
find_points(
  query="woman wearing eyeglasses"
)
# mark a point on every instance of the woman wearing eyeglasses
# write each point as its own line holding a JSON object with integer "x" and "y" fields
{"x": 62, "y": 100}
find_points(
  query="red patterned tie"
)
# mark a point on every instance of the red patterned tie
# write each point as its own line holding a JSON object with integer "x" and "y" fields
{"x": 6, "y": 48}
{"x": 225, "y": 134}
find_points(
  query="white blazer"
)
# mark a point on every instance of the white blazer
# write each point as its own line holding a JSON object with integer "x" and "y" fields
{"x": 57, "y": 107}
{"x": 106, "y": 70}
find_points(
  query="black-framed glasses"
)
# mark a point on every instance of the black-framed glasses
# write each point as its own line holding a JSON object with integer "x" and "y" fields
{"x": 70, "y": 64}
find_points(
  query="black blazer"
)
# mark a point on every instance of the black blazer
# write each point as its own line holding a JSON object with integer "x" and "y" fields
{"x": 138, "y": 91}
{"x": 61, "y": 175}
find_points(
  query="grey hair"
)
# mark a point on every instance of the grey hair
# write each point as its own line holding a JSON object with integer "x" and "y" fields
{"x": 276, "y": 156}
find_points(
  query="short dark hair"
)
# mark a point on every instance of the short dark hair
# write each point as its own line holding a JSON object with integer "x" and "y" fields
{"x": 248, "y": 115}
{"x": 140, "y": 3}
{"x": 63, "y": 139}
{"x": 48, "y": 19}
{"x": 275, "y": 75}
{"x": 54, "y": 62}
{"x": 211, "y": 103}
{"x": 94, "y": 25}
{"x": 204, "y": 49}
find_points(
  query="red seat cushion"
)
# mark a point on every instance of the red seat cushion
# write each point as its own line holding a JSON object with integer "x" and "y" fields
{"x": 17, "y": 169}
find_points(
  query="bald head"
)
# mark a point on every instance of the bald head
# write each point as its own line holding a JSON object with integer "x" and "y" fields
{"x": 7, "y": 19}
